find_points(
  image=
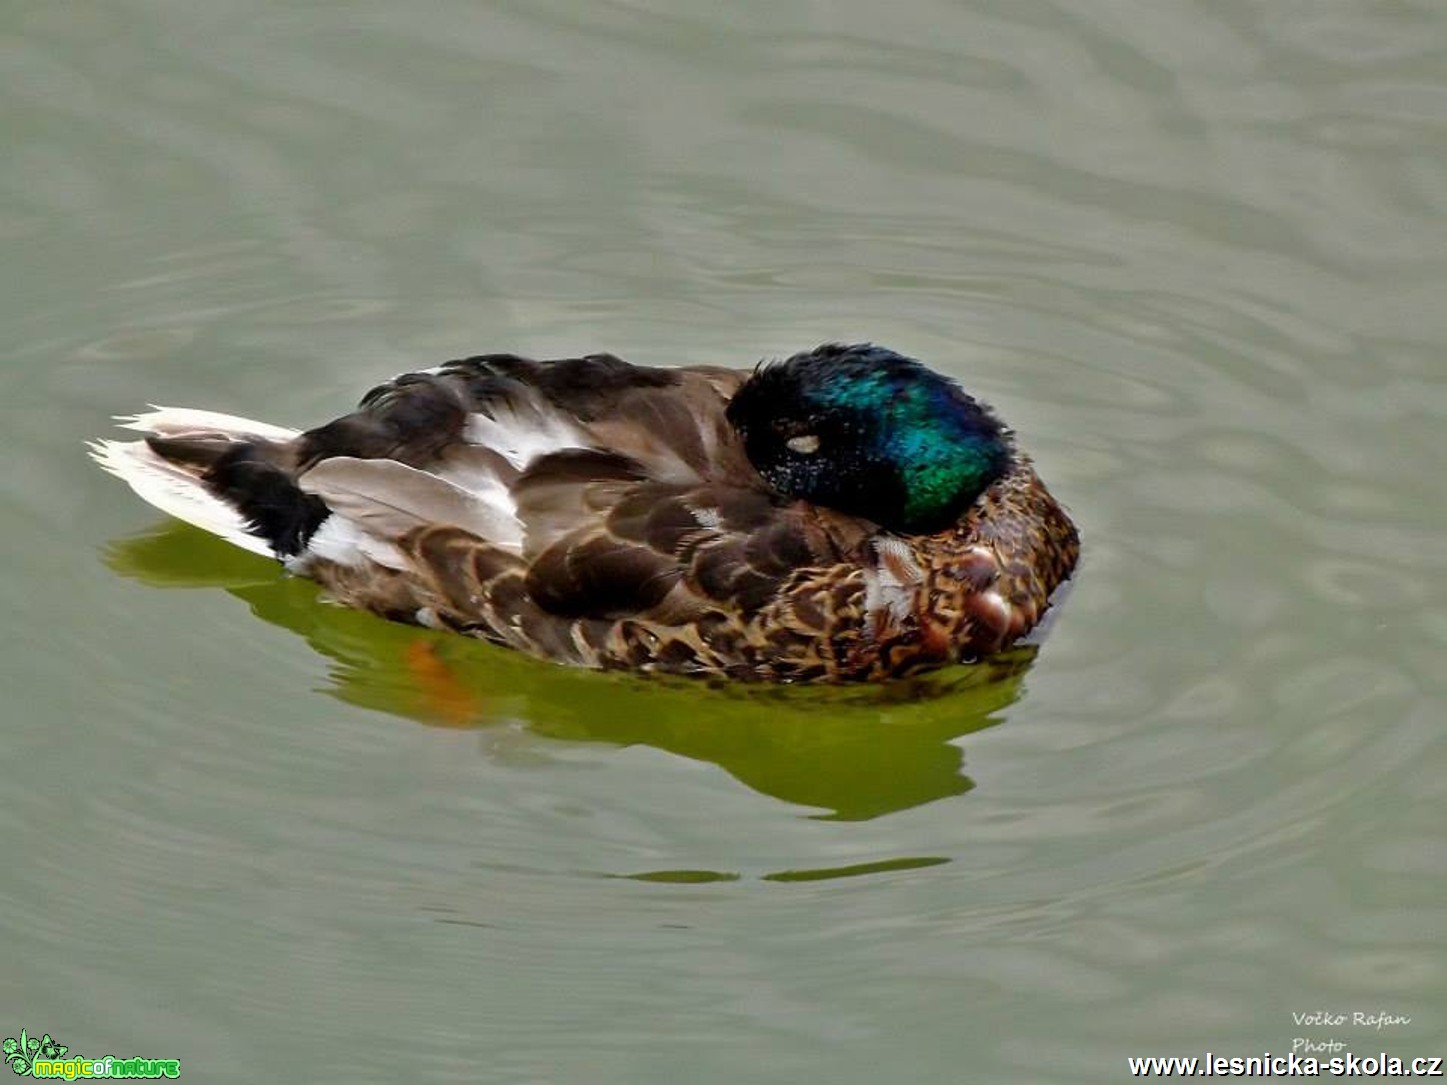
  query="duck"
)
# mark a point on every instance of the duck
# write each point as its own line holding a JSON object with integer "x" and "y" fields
{"x": 844, "y": 514}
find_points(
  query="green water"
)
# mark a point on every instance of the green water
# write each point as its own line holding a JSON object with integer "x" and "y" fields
{"x": 1194, "y": 253}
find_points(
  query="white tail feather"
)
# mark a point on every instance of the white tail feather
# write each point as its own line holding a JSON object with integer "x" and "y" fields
{"x": 173, "y": 491}
{"x": 170, "y": 487}
{"x": 175, "y": 421}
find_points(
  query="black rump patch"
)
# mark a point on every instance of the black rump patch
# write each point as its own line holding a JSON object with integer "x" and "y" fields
{"x": 276, "y": 508}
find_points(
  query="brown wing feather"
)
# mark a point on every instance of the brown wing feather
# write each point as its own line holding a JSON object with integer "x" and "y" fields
{"x": 680, "y": 434}
{"x": 670, "y": 554}
{"x": 561, "y": 491}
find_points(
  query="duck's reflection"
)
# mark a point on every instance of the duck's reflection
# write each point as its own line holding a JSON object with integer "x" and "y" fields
{"x": 855, "y": 752}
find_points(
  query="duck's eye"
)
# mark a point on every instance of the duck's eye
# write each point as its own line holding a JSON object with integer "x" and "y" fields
{"x": 806, "y": 444}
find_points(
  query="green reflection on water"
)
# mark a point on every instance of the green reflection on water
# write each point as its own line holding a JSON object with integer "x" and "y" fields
{"x": 857, "y": 752}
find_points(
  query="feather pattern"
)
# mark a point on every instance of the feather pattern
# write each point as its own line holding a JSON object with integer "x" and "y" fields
{"x": 608, "y": 515}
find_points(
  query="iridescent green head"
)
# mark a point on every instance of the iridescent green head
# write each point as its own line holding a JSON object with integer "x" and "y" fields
{"x": 869, "y": 432}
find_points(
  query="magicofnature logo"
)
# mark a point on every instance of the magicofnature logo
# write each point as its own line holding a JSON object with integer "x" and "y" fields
{"x": 44, "y": 1058}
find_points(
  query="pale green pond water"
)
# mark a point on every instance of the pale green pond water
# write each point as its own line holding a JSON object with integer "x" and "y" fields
{"x": 1194, "y": 252}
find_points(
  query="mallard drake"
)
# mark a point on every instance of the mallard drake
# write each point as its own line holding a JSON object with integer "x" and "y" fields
{"x": 845, "y": 514}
